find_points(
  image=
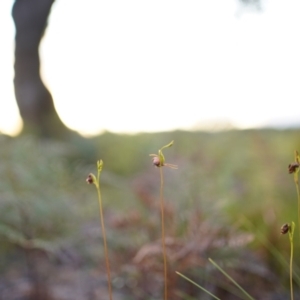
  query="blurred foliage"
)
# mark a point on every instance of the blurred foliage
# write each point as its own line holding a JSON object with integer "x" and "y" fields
{"x": 236, "y": 179}
{"x": 38, "y": 206}
{"x": 227, "y": 200}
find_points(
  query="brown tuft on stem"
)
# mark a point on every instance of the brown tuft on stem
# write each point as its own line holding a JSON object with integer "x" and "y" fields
{"x": 293, "y": 167}
{"x": 89, "y": 179}
{"x": 285, "y": 228}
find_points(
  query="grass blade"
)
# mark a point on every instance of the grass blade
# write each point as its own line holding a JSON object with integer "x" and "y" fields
{"x": 197, "y": 285}
{"x": 231, "y": 279}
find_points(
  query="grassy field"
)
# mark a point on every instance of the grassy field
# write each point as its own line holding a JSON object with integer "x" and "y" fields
{"x": 227, "y": 201}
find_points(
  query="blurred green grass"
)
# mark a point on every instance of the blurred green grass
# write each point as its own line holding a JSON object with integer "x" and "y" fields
{"x": 236, "y": 180}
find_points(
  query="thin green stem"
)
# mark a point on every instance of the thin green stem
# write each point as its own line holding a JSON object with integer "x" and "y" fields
{"x": 291, "y": 237}
{"x": 291, "y": 271}
{"x": 298, "y": 197}
{"x": 104, "y": 239}
{"x": 163, "y": 232}
{"x": 231, "y": 279}
{"x": 197, "y": 285}
{"x": 296, "y": 171}
{"x": 159, "y": 161}
{"x": 273, "y": 250}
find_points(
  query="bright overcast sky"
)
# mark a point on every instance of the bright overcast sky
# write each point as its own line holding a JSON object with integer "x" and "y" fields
{"x": 132, "y": 66}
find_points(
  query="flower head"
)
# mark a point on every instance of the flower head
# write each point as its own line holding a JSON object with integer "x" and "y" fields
{"x": 285, "y": 228}
{"x": 294, "y": 167}
{"x": 158, "y": 160}
{"x": 91, "y": 179}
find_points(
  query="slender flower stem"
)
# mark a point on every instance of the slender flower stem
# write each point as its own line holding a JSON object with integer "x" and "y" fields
{"x": 298, "y": 197}
{"x": 104, "y": 241}
{"x": 291, "y": 271}
{"x": 163, "y": 232}
{"x": 159, "y": 161}
{"x": 91, "y": 179}
{"x": 291, "y": 237}
{"x": 294, "y": 168}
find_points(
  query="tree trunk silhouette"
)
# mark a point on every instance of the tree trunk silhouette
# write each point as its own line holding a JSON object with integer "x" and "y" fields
{"x": 34, "y": 100}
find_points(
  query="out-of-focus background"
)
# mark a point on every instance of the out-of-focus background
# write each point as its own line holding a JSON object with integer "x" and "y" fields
{"x": 203, "y": 64}
{"x": 88, "y": 80}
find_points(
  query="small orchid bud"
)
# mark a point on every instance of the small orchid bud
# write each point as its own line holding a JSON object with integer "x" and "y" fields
{"x": 159, "y": 160}
{"x": 285, "y": 228}
{"x": 293, "y": 167}
{"x": 156, "y": 161}
{"x": 91, "y": 179}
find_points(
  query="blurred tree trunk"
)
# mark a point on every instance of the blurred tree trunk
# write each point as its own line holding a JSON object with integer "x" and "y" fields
{"x": 34, "y": 100}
